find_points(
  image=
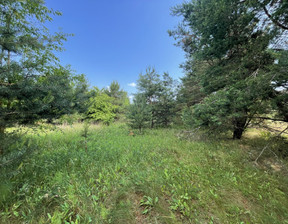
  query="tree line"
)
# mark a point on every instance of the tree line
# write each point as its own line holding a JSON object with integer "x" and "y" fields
{"x": 33, "y": 83}
{"x": 236, "y": 71}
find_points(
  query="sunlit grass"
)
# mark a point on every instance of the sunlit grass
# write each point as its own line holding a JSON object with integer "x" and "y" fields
{"x": 154, "y": 177}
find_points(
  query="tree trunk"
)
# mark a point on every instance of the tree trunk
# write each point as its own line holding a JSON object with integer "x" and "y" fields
{"x": 283, "y": 111}
{"x": 2, "y": 131}
{"x": 50, "y": 120}
{"x": 9, "y": 58}
{"x": 1, "y": 59}
{"x": 152, "y": 120}
{"x": 239, "y": 127}
{"x": 9, "y": 53}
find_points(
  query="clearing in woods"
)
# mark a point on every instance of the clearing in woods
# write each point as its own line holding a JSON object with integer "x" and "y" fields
{"x": 155, "y": 177}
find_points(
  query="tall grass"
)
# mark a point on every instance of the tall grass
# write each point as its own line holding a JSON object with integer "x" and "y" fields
{"x": 153, "y": 177}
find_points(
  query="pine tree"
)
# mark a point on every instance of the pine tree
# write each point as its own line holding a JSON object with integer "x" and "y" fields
{"x": 120, "y": 98}
{"x": 160, "y": 95}
{"x": 139, "y": 112}
{"x": 32, "y": 84}
{"x": 229, "y": 63}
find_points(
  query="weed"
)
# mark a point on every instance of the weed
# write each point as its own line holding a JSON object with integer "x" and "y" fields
{"x": 148, "y": 203}
{"x": 154, "y": 177}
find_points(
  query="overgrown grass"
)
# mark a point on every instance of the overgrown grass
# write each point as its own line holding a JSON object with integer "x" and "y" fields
{"x": 151, "y": 178}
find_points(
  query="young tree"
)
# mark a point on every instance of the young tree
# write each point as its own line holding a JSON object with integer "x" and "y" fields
{"x": 237, "y": 66}
{"x": 54, "y": 96}
{"x": 101, "y": 107}
{"x": 149, "y": 86}
{"x": 165, "y": 106}
{"x": 139, "y": 113}
{"x": 120, "y": 98}
{"x": 159, "y": 94}
{"x": 81, "y": 94}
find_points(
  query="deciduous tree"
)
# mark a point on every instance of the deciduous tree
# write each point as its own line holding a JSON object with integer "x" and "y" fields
{"x": 101, "y": 107}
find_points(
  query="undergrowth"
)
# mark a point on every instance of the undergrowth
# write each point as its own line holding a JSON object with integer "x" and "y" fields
{"x": 109, "y": 176}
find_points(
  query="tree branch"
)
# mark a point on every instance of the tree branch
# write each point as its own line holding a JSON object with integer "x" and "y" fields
{"x": 268, "y": 145}
{"x": 269, "y": 118}
{"x": 273, "y": 20}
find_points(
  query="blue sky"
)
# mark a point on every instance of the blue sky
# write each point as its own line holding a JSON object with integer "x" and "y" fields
{"x": 118, "y": 39}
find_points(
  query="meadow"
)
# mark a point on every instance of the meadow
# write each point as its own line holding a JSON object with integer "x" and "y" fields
{"x": 108, "y": 175}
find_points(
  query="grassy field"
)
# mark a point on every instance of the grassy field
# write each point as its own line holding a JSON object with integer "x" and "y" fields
{"x": 156, "y": 177}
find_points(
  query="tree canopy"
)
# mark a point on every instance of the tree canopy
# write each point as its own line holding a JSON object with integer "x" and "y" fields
{"x": 158, "y": 94}
{"x": 230, "y": 66}
{"x": 101, "y": 107}
{"x": 120, "y": 98}
{"x": 32, "y": 83}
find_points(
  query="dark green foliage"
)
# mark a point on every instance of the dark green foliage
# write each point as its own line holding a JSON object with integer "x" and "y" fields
{"x": 81, "y": 94}
{"x": 190, "y": 91}
{"x": 57, "y": 96}
{"x": 120, "y": 98}
{"x": 114, "y": 90}
{"x": 165, "y": 105}
{"x": 139, "y": 113}
{"x": 280, "y": 96}
{"x": 230, "y": 68}
{"x": 160, "y": 95}
{"x": 32, "y": 85}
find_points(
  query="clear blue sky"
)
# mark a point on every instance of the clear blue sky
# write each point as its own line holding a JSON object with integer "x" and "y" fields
{"x": 118, "y": 39}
